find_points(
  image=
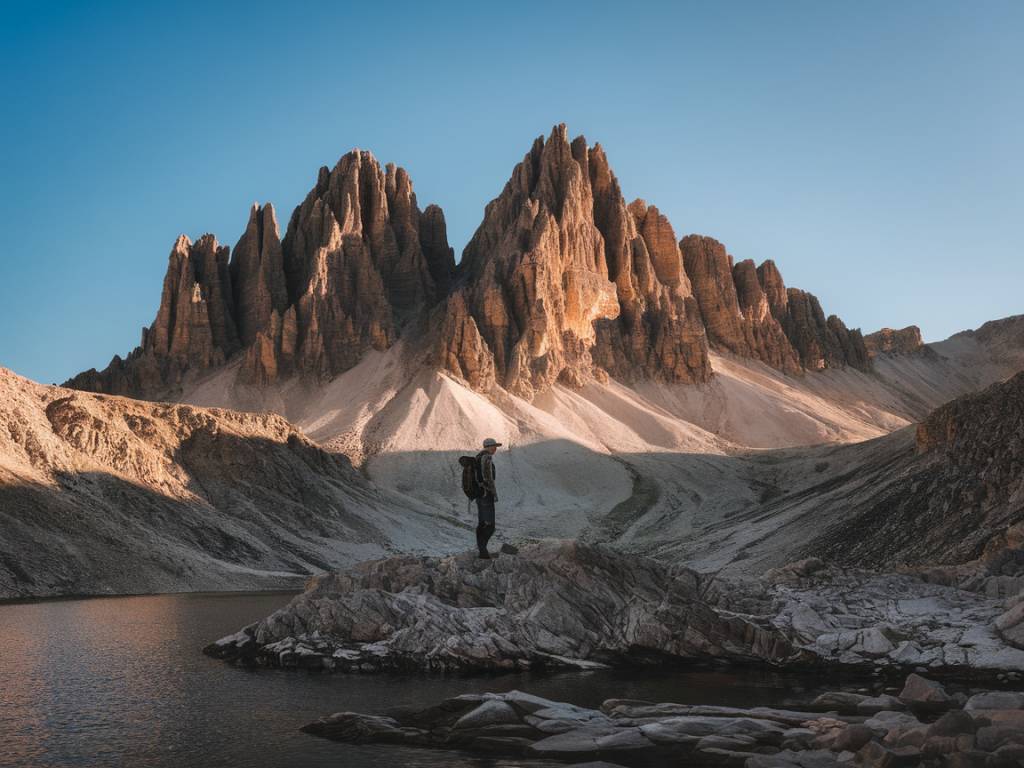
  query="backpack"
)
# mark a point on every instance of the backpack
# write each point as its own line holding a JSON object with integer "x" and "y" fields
{"x": 471, "y": 485}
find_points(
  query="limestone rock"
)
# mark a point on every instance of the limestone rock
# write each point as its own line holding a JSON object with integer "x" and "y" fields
{"x": 257, "y": 273}
{"x": 518, "y": 724}
{"x": 194, "y": 327}
{"x": 957, "y": 499}
{"x": 355, "y": 264}
{"x": 710, "y": 270}
{"x": 748, "y": 311}
{"x": 522, "y": 725}
{"x": 920, "y": 693}
{"x": 888, "y": 341}
{"x": 461, "y": 349}
{"x": 821, "y": 342}
{"x": 561, "y": 282}
{"x": 359, "y": 260}
{"x": 434, "y": 242}
{"x": 659, "y": 333}
{"x": 764, "y": 334}
{"x": 995, "y": 700}
{"x": 536, "y": 272}
{"x": 106, "y": 495}
{"x": 531, "y": 609}
{"x": 1010, "y": 625}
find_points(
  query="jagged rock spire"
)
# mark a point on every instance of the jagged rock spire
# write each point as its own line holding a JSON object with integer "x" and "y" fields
{"x": 356, "y": 264}
{"x": 536, "y": 274}
{"x": 257, "y": 274}
{"x": 358, "y": 260}
{"x": 561, "y": 277}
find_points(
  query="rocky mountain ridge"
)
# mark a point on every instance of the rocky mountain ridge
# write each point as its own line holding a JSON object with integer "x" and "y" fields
{"x": 102, "y": 494}
{"x": 948, "y": 492}
{"x": 358, "y": 260}
{"x": 562, "y": 282}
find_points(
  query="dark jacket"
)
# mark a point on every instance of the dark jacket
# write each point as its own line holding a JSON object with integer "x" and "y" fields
{"x": 485, "y": 463}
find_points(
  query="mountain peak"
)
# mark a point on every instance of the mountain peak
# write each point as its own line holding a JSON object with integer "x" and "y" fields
{"x": 562, "y": 282}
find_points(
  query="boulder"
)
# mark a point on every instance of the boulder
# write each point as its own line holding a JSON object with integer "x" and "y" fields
{"x": 488, "y": 713}
{"x": 883, "y": 703}
{"x": 876, "y": 755}
{"x": 953, "y": 724}
{"x": 922, "y": 694}
{"x": 852, "y": 738}
{"x": 992, "y": 737}
{"x": 968, "y": 759}
{"x": 1007, "y": 756}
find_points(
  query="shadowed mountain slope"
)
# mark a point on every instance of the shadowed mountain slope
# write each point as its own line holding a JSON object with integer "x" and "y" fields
{"x": 105, "y": 494}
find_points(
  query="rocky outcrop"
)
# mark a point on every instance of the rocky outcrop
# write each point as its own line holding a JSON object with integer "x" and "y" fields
{"x": 461, "y": 348}
{"x": 966, "y": 429}
{"x": 359, "y": 260}
{"x": 433, "y": 233}
{"x": 888, "y": 341}
{"x": 257, "y": 274}
{"x": 622, "y": 732}
{"x": 749, "y": 312}
{"x": 951, "y": 501}
{"x": 821, "y": 342}
{"x": 860, "y": 619}
{"x": 710, "y": 271}
{"x": 194, "y": 328}
{"x": 540, "y": 607}
{"x": 658, "y": 333}
{"x": 642, "y": 733}
{"x": 356, "y": 265}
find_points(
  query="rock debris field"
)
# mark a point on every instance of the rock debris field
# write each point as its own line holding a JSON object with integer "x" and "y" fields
{"x": 923, "y": 726}
{"x": 568, "y": 604}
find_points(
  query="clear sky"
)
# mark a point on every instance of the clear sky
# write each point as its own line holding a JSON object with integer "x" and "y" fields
{"x": 875, "y": 150}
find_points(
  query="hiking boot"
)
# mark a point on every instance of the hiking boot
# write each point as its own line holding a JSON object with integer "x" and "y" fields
{"x": 485, "y": 555}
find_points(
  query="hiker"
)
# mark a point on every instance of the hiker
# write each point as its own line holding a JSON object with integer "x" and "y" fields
{"x": 489, "y": 495}
{"x": 478, "y": 485}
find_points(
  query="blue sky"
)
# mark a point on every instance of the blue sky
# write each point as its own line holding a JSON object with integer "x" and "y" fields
{"x": 873, "y": 149}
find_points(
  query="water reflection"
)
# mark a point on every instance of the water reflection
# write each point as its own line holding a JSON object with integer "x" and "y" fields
{"x": 121, "y": 681}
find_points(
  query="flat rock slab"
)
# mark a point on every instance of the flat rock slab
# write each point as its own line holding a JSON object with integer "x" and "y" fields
{"x": 637, "y": 733}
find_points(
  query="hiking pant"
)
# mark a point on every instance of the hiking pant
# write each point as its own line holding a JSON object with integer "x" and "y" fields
{"x": 485, "y": 521}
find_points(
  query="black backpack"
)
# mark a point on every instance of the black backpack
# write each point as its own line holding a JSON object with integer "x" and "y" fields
{"x": 471, "y": 477}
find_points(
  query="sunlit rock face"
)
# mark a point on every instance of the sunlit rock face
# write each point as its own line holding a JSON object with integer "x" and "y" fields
{"x": 903, "y": 341}
{"x": 562, "y": 282}
{"x": 194, "y": 327}
{"x": 536, "y": 273}
{"x": 359, "y": 259}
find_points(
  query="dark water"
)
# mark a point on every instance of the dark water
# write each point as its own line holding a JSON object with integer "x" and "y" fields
{"x": 122, "y": 682}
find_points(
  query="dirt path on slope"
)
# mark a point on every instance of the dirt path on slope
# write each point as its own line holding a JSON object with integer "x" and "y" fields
{"x": 644, "y": 496}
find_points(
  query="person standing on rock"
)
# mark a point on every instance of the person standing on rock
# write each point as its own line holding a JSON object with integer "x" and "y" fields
{"x": 485, "y": 501}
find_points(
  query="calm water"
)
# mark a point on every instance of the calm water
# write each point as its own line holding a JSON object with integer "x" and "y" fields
{"x": 122, "y": 682}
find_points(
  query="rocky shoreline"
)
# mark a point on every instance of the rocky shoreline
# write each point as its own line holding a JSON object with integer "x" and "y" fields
{"x": 555, "y": 603}
{"x": 568, "y": 604}
{"x": 924, "y": 725}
